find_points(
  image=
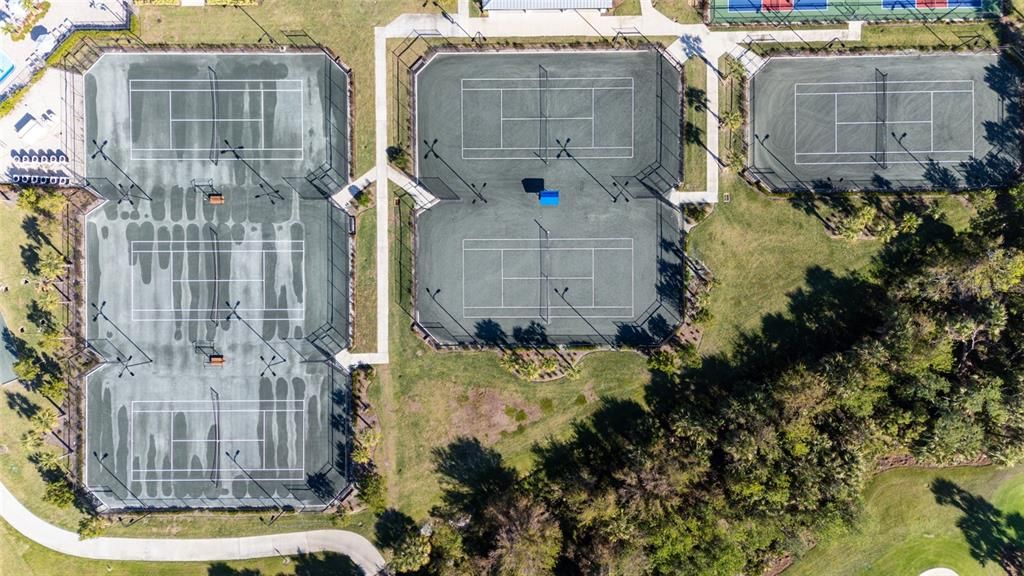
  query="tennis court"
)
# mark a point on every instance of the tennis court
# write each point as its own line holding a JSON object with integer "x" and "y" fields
{"x": 886, "y": 122}
{"x": 551, "y": 171}
{"x": 217, "y": 281}
{"x": 783, "y": 11}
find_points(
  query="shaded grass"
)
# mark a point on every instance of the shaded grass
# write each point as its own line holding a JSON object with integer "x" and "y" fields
{"x": 365, "y": 285}
{"x": 694, "y": 154}
{"x": 759, "y": 250}
{"x": 904, "y": 531}
{"x": 14, "y": 304}
{"x": 425, "y": 398}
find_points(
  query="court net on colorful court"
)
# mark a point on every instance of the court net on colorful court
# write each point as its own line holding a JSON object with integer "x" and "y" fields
{"x": 738, "y": 11}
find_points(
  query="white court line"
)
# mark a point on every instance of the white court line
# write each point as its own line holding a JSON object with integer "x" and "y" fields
{"x": 501, "y": 90}
{"x": 930, "y": 122}
{"x": 581, "y": 309}
{"x": 298, "y": 408}
{"x": 171, "y": 151}
{"x": 865, "y": 82}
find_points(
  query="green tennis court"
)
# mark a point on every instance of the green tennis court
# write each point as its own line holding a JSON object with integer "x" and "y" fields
{"x": 501, "y": 257}
{"x": 942, "y": 121}
{"x": 217, "y": 276}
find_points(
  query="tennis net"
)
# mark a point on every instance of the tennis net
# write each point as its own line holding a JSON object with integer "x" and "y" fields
{"x": 542, "y": 85}
{"x": 881, "y": 117}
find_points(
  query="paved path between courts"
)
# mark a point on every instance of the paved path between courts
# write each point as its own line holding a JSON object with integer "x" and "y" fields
{"x": 357, "y": 548}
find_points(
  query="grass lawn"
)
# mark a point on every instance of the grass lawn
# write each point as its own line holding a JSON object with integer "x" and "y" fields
{"x": 14, "y": 303}
{"x": 364, "y": 287}
{"x": 759, "y": 250}
{"x": 344, "y": 27}
{"x": 695, "y": 156}
{"x": 903, "y": 530}
{"x": 425, "y": 399}
{"x": 679, "y": 10}
{"x": 625, "y": 8}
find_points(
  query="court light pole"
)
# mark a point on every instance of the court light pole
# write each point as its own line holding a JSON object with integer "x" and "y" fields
{"x": 100, "y": 460}
{"x": 433, "y": 296}
{"x": 582, "y": 317}
{"x": 280, "y": 509}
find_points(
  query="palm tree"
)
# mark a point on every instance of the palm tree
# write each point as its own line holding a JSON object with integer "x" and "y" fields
{"x": 732, "y": 120}
{"x": 51, "y": 266}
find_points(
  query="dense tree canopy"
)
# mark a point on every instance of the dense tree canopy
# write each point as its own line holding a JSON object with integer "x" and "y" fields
{"x": 731, "y": 463}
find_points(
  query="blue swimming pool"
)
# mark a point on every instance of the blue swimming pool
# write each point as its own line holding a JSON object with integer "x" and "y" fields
{"x": 6, "y": 66}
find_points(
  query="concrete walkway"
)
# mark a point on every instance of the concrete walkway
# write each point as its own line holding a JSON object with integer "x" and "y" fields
{"x": 359, "y": 549}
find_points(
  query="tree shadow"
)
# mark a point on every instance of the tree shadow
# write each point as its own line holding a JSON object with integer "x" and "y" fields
{"x": 472, "y": 475}
{"x": 993, "y": 535}
{"x": 30, "y": 225}
{"x": 490, "y": 332}
{"x": 222, "y": 569}
{"x": 392, "y": 527}
{"x": 20, "y": 404}
{"x": 30, "y": 258}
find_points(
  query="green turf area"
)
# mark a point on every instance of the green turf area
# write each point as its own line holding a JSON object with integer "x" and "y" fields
{"x": 364, "y": 285}
{"x": 426, "y": 399}
{"x": 15, "y": 250}
{"x": 344, "y": 27}
{"x": 903, "y": 530}
{"x": 759, "y": 250}
{"x": 695, "y": 158}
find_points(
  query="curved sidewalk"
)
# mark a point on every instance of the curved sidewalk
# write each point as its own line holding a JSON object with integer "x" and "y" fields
{"x": 357, "y": 548}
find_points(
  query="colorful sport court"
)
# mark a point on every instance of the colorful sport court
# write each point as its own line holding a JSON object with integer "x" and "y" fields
{"x": 800, "y": 10}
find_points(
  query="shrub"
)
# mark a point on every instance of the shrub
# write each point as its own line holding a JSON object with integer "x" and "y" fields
{"x": 372, "y": 491}
{"x": 91, "y": 527}
{"x": 26, "y": 369}
{"x": 60, "y": 493}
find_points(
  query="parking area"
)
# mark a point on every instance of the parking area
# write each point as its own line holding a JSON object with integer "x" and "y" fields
{"x": 217, "y": 281}
{"x": 886, "y": 122}
{"x": 551, "y": 171}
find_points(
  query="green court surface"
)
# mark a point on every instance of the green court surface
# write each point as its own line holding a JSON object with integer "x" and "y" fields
{"x": 217, "y": 280}
{"x": 787, "y": 11}
{"x": 941, "y": 122}
{"x": 494, "y": 265}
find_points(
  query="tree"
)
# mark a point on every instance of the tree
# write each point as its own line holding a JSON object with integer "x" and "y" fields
{"x": 527, "y": 539}
{"x": 29, "y": 199}
{"x": 26, "y": 369}
{"x": 732, "y": 120}
{"x": 59, "y": 492}
{"x": 372, "y": 491}
{"x": 411, "y": 553}
{"x": 44, "y": 421}
{"x": 51, "y": 266}
{"x": 54, "y": 387}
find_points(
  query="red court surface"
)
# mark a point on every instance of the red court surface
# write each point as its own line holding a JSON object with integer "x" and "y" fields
{"x": 931, "y": 3}
{"x": 781, "y": 4}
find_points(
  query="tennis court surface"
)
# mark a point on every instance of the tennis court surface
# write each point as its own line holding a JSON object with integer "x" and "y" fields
{"x": 217, "y": 280}
{"x": 886, "y": 122}
{"x": 504, "y": 258}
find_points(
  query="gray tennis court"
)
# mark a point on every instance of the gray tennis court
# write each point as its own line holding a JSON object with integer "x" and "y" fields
{"x": 495, "y": 263}
{"x": 217, "y": 280}
{"x": 938, "y": 121}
